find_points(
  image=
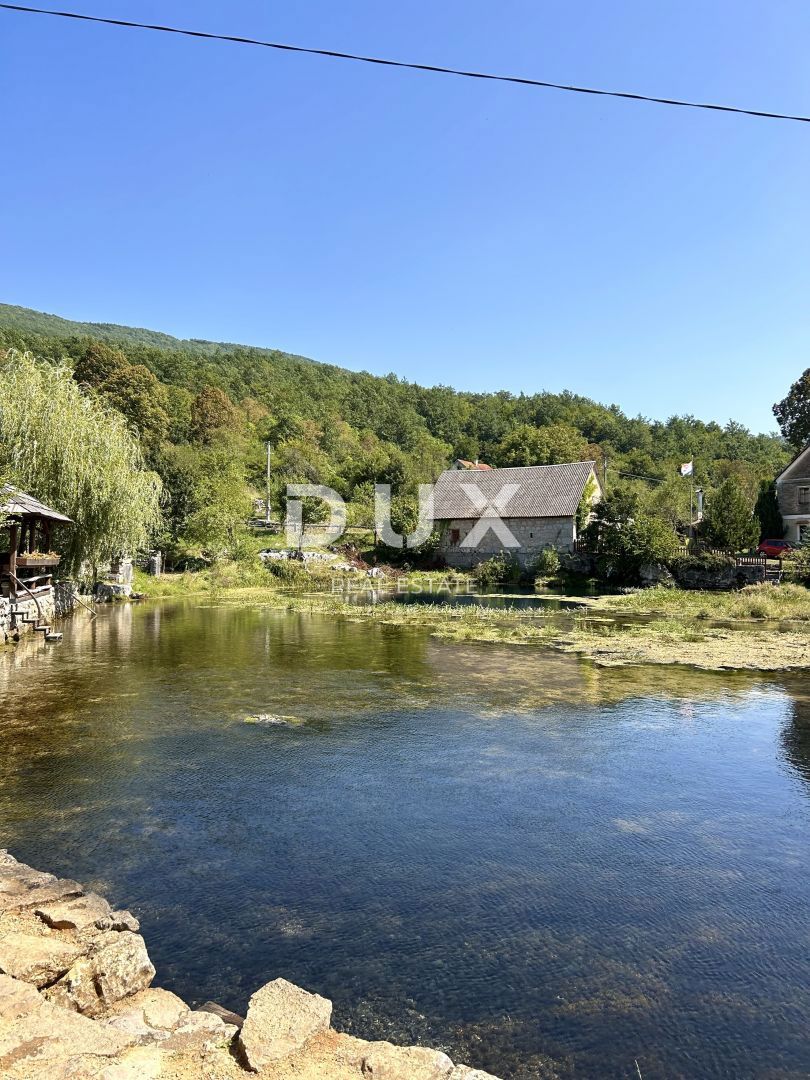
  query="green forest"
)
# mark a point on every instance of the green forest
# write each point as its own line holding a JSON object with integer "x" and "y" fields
{"x": 203, "y": 413}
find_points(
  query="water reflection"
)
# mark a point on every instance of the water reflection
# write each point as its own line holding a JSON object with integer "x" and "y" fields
{"x": 542, "y": 865}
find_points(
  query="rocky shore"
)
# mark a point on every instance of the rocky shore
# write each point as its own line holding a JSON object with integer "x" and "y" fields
{"x": 77, "y": 1003}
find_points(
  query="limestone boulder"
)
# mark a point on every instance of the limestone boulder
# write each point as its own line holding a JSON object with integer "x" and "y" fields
{"x": 116, "y": 971}
{"x": 384, "y": 1061}
{"x": 37, "y": 959}
{"x": 149, "y": 1016}
{"x": 21, "y": 887}
{"x": 464, "y": 1072}
{"x": 281, "y": 1018}
{"x": 119, "y": 920}
{"x": 40, "y": 1039}
{"x": 16, "y": 999}
{"x": 655, "y": 574}
{"x": 162, "y": 1009}
{"x": 200, "y": 1032}
{"x": 141, "y": 1063}
{"x": 78, "y": 913}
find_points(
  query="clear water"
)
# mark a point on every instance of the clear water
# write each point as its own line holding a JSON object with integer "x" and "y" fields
{"x": 543, "y": 867}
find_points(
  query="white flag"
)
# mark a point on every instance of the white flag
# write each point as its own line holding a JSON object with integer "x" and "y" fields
{"x": 687, "y": 468}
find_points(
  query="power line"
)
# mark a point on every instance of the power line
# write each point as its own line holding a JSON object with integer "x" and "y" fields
{"x": 334, "y": 54}
{"x": 640, "y": 476}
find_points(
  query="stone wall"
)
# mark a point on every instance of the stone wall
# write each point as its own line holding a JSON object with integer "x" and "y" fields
{"x": 12, "y": 626}
{"x": 532, "y": 534}
{"x": 54, "y": 605}
{"x": 792, "y": 497}
{"x": 77, "y": 1003}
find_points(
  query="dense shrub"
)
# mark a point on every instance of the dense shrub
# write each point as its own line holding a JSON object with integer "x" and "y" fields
{"x": 547, "y": 564}
{"x": 288, "y": 571}
{"x": 624, "y": 538}
{"x": 704, "y": 571}
{"x": 797, "y": 566}
{"x": 730, "y": 521}
{"x": 709, "y": 562}
{"x": 499, "y": 568}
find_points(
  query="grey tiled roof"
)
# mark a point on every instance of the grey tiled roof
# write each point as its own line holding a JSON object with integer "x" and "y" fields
{"x": 14, "y": 501}
{"x": 543, "y": 491}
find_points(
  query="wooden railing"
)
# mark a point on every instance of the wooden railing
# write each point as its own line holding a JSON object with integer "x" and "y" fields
{"x": 23, "y": 586}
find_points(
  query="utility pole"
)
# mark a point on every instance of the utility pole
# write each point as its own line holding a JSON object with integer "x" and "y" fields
{"x": 267, "y": 493}
{"x": 604, "y": 474}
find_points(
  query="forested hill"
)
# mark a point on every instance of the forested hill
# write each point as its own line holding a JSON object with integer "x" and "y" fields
{"x": 349, "y": 429}
{"x": 28, "y": 321}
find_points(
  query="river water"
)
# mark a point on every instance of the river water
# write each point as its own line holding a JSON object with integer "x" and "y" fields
{"x": 543, "y": 867}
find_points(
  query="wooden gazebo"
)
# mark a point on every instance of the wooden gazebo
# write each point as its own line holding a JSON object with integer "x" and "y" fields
{"x": 26, "y": 569}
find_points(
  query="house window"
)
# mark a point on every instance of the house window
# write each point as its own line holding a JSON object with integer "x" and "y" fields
{"x": 455, "y": 536}
{"x": 804, "y": 496}
{"x": 804, "y": 532}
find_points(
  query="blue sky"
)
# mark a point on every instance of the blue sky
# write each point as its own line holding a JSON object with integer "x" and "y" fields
{"x": 480, "y": 235}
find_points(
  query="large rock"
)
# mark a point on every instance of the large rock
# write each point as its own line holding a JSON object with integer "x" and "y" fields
{"x": 96, "y": 982}
{"x": 21, "y": 887}
{"x": 280, "y": 1019}
{"x": 37, "y": 959}
{"x": 119, "y": 920}
{"x": 141, "y": 1063}
{"x": 162, "y": 1008}
{"x": 76, "y": 914}
{"x": 149, "y": 1015}
{"x": 38, "y": 1039}
{"x": 16, "y": 998}
{"x": 578, "y": 564}
{"x": 655, "y": 574}
{"x": 384, "y": 1061}
{"x": 200, "y": 1031}
{"x": 711, "y": 573}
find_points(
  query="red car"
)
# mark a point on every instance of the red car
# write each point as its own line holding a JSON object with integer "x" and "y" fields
{"x": 775, "y": 549}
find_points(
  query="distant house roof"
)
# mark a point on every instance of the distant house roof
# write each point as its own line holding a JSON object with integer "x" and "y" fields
{"x": 800, "y": 463}
{"x": 475, "y": 465}
{"x": 14, "y": 501}
{"x": 542, "y": 491}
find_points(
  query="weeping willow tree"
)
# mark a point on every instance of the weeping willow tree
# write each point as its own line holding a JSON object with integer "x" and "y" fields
{"x": 76, "y": 453}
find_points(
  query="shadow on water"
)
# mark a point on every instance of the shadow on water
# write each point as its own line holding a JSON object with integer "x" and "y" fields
{"x": 546, "y": 867}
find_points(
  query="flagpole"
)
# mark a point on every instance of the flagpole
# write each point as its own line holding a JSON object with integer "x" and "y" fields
{"x": 692, "y": 503}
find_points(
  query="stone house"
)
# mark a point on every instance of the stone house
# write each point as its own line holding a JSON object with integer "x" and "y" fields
{"x": 519, "y": 511}
{"x": 793, "y": 494}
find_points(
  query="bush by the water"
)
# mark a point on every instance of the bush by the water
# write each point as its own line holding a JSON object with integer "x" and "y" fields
{"x": 288, "y": 571}
{"x": 547, "y": 563}
{"x": 625, "y": 538}
{"x": 498, "y": 569}
{"x": 797, "y": 566}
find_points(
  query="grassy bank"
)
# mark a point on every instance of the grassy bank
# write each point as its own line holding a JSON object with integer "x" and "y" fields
{"x": 756, "y": 602}
{"x": 769, "y": 626}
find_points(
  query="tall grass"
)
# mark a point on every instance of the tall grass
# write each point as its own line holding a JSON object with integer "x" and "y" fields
{"x": 760, "y": 602}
